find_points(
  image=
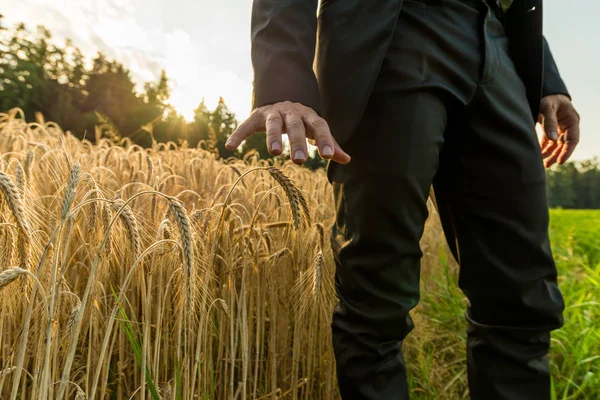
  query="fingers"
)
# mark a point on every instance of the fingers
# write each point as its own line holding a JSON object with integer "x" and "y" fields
{"x": 558, "y": 116}
{"x": 571, "y": 141}
{"x": 274, "y": 125}
{"x": 296, "y": 131}
{"x": 299, "y": 122}
{"x": 549, "y": 121}
{"x": 254, "y": 123}
{"x": 552, "y": 157}
{"x": 549, "y": 147}
{"x": 328, "y": 147}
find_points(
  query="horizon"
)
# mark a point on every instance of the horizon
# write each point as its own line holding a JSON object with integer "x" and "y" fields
{"x": 205, "y": 48}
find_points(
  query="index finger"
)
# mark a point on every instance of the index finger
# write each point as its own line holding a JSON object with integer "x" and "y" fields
{"x": 253, "y": 124}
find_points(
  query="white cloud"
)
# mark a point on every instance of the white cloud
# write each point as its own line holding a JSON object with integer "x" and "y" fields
{"x": 204, "y": 47}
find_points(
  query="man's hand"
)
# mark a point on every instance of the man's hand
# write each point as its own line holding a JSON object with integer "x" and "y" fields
{"x": 561, "y": 129}
{"x": 299, "y": 122}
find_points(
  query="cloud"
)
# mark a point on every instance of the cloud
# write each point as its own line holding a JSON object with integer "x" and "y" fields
{"x": 203, "y": 45}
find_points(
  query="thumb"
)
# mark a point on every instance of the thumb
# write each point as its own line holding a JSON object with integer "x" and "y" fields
{"x": 550, "y": 124}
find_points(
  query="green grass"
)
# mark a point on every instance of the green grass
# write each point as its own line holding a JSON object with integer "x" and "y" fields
{"x": 576, "y": 347}
{"x": 435, "y": 352}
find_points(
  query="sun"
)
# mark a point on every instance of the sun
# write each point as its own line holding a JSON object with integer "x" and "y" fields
{"x": 185, "y": 104}
{"x": 210, "y": 85}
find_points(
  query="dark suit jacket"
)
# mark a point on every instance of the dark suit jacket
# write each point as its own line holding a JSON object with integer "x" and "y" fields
{"x": 328, "y": 59}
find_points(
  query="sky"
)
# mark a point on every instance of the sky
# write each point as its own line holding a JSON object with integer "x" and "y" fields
{"x": 204, "y": 45}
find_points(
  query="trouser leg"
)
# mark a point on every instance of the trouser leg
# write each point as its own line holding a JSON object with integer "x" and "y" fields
{"x": 380, "y": 197}
{"x": 491, "y": 193}
{"x": 381, "y": 209}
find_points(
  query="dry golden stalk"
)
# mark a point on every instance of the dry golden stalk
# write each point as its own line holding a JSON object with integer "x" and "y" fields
{"x": 93, "y": 210}
{"x": 165, "y": 233}
{"x": 165, "y": 230}
{"x": 196, "y": 215}
{"x": 80, "y": 394}
{"x": 131, "y": 224}
{"x": 7, "y": 248}
{"x": 20, "y": 178}
{"x": 280, "y": 224}
{"x": 15, "y": 203}
{"x": 10, "y": 275}
{"x": 295, "y": 197}
{"x": 236, "y": 170}
{"x": 28, "y": 163}
{"x": 317, "y": 274}
{"x": 185, "y": 233}
{"x": 73, "y": 316}
{"x": 74, "y": 176}
{"x": 106, "y": 218}
{"x": 224, "y": 306}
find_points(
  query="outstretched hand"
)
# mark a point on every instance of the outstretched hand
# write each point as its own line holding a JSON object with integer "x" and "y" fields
{"x": 299, "y": 122}
{"x": 561, "y": 129}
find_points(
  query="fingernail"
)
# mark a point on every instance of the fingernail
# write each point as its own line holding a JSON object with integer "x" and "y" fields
{"x": 276, "y": 146}
{"x": 299, "y": 155}
{"x": 327, "y": 150}
{"x": 553, "y": 135}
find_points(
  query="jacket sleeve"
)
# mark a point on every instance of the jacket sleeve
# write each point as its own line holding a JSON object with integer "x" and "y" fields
{"x": 283, "y": 35}
{"x": 553, "y": 83}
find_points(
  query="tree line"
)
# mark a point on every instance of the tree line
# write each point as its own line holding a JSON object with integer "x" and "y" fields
{"x": 99, "y": 98}
{"x": 575, "y": 185}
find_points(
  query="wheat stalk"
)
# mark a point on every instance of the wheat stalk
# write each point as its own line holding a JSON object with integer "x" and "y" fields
{"x": 106, "y": 219}
{"x": 73, "y": 316}
{"x": 15, "y": 203}
{"x": 250, "y": 269}
{"x": 74, "y": 176}
{"x": 10, "y": 275}
{"x": 93, "y": 210}
{"x": 80, "y": 394}
{"x": 298, "y": 204}
{"x": 7, "y": 248}
{"x": 317, "y": 274}
{"x": 28, "y": 163}
{"x": 20, "y": 178}
{"x": 150, "y": 172}
{"x": 165, "y": 233}
{"x": 131, "y": 225}
{"x": 185, "y": 233}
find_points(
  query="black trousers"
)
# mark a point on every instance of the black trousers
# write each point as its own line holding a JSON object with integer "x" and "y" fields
{"x": 448, "y": 109}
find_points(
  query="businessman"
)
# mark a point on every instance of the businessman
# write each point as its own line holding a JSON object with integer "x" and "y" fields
{"x": 420, "y": 93}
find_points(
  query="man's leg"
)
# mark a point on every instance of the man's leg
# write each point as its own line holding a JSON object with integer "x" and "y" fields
{"x": 381, "y": 210}
{"x": 492, "y": 196}
{"x": 432, "y": 65}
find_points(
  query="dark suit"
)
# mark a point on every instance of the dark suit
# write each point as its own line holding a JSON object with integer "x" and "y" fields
{"x": 421, "y": 93}
{"x": 353, "y": 37}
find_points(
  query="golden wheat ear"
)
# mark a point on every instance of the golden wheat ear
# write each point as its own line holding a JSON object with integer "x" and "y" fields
{"x": 74, "y": 176}
{"x": 10, "y": 275}
{"x": 298, "y": 204}
{"x": 131, "y": 224}
{"x": 14, "y": 200}
{"x": 185, "y": 233}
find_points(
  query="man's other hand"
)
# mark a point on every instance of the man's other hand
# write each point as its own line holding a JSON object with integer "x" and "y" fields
{"x": 560, "y": 124}
{"x": 299, "y": 122}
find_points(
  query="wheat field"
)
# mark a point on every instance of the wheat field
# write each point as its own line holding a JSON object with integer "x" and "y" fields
{"x": 166, "y": 273}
